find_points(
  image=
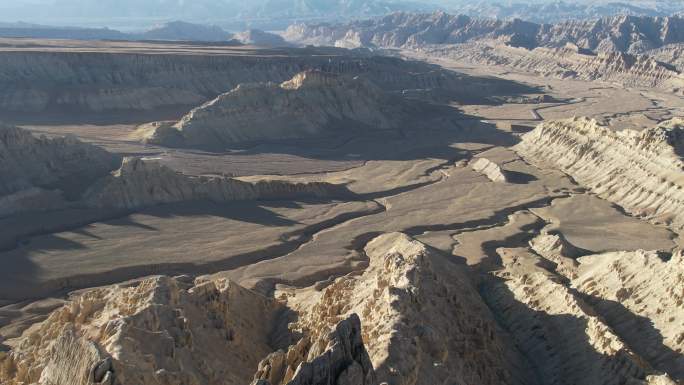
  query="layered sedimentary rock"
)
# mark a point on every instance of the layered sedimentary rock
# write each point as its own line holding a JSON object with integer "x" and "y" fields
{"x": 422, "y": 319}
{"x": 39, "y": 173}
{"x": 640, "y": 295}
{"x": 260, "y": 38}
{"x": 642, "y": 171}
{"x": 569, "y": 62}
{"x": 410, "y": 30}
{"x": 158, "y": 330}
{"x": 311, "y": 103}
{"x": 335, "y": 357}
{"x": 563, "y": 336}
{"x": 628, "y": 34}
{"x": 106, "y": 77}
{"x": 139, "y": 183}
{"x": 489, "y": 169}
{"x": 29, "y": 161}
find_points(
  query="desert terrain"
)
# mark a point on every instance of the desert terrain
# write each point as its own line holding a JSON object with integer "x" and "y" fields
{"x": 401, "y": 212}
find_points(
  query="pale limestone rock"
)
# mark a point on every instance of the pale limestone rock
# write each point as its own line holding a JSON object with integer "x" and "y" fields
{"x": 311, "y": 103}
{"x": 563, "y": 336}
{"x": 641, "y": 171}
{"x": 640, "y": 293}
{"x": 489, "y": 169}
{"x": 157, "y": 330}
{"x": 422, "y": 319}
{"x": 337, "y": 357}
{"x": 140, "y": 183}
{"x": 27, "y": 161}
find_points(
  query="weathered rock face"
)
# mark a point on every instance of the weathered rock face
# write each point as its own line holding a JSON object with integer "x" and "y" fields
{"x": 140, "y": 183}
{"x": 178, "y": 30}
{"x": 570, "y": 62}
{"x": 489, "y": 169}
{"x": 37, "y": 173}
{"x": 566, "y": 339}
{"x": 640, "y": 295}
{"x": 158, "y": 330}
{"x": 99, "y": 81}
{"x": 627, "y": 34}
{"x": 410, "y": 30}
{"x": 28, "y": 161}
{"x": 337, "y": 357}
{"x": 640, "y": 171}
{"x": 260, "y": 38}
{"x": 312, "y": 103}
{"x": 423, "y": 321}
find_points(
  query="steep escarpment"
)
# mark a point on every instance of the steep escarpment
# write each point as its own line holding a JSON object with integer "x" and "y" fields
{"x": 629, "y": 34}
{"x": 567, "y": 340}
{"x": 409, "y": 30}
{"x": 422, "y": 319}
{"x": 39, "y": 173}
{"x": 569, "y": 62}
{"x": 158, "y": 330}
{"x": 640, "y": 171}
{"x": 311, "y": 103}
{"x": 102, "y": 78}
{"x": 139, "y": 183}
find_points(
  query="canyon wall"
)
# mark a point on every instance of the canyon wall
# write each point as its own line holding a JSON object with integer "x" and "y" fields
{"x": 642, "y": 171}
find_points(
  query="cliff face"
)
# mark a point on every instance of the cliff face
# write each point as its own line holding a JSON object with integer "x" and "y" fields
{"x": 29, "y": 161}
{"x": 98, "y": 81}
{"x": 566, "y": 339}
{"x": 37, "y": 173}
{"x": 630, "y": 34}
{"x": 140, "y": 183}
{"x": 640, "y": 171}
{"x": 411, "y": 317}
{"x": 159, "y": 330}
{"x": 311, "y": 103}
{"x": 570, "y": 62}
{"x": 423, "y": 320}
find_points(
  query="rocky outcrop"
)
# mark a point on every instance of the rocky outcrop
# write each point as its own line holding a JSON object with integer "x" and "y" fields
{"x": 563, "y": 336}
{"x": 28, "y": 161}
{"x": 337, "y": 357}
{"x": 628, "y": 34}
{"x": 139, "y": 183}
{"x": 157, "y": 330}
{"x": 640, "y": 171}
{"x": 260, "y": 38}
{"x": 39, "y": 173}
{"x": 423, "y": 321}
{"x": 489, "y": 169}
{"x": 311, "y": 103}
{"x": 410, "y": 30}
{"x": 570, "y": 62}
{"x": 639, "y": 294}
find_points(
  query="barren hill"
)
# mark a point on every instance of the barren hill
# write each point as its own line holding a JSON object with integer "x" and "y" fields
{"x": 311, "y": 103}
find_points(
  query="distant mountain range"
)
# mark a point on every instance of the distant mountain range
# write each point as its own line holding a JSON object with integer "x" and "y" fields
{"x": 629, "y": 34}
{"x": 237, "y": 15}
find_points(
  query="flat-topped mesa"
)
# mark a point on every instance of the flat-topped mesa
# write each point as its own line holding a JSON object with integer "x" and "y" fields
{"x": 139, "y": 183}
{"x": 642, "y": 171}
{"x": 311, "y": 103}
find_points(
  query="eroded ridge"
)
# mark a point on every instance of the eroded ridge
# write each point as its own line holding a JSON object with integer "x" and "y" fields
{"x": 311, "y": 103}
{"x": 641, "y": 171}
{"x": 423, "y": 320}
{"x": 139, "y": 183}
{"x": 566, "y": 340}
